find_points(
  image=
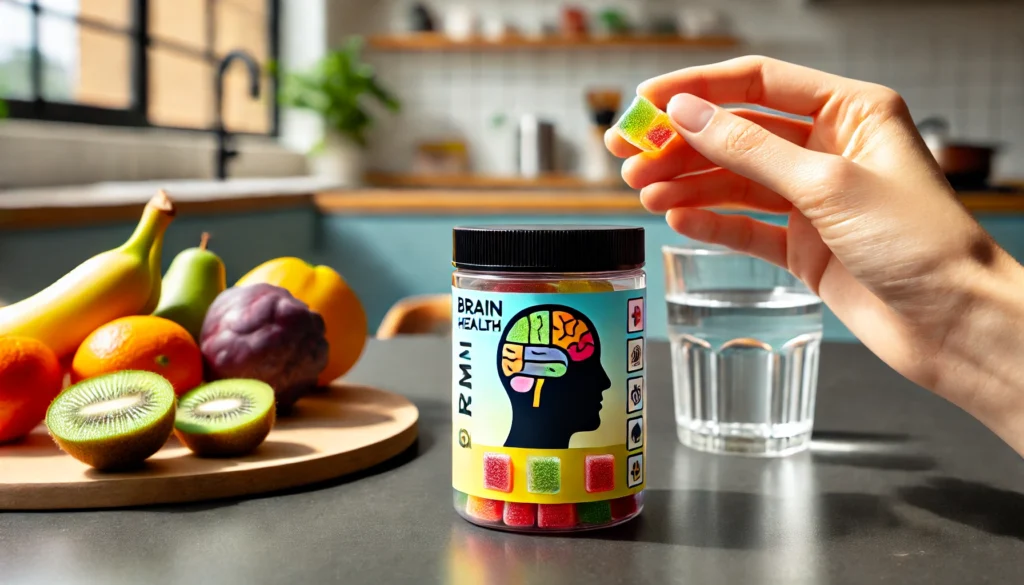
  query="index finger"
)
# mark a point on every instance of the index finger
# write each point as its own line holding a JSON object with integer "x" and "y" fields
{"x": 618, "y": 146}
{"x": 753, "y": 80}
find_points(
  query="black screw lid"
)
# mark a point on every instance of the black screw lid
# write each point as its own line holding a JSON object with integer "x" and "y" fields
{"x": 548, "y": 248}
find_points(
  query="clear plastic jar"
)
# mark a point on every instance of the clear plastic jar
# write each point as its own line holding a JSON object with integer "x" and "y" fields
{"x": 548, "y": 376}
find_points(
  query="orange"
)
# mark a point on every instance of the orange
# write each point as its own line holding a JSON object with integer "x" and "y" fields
{"x": 30, "y": 378}
{"x": 144, "y": 342}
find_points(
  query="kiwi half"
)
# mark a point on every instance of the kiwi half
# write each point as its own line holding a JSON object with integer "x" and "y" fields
{"x": 114, "y": 421}
{"x": 226, "y": 418}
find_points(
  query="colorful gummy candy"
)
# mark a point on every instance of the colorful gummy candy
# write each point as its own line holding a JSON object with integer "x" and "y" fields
{"x": 594, "y": 512}
{"x": 581, "y": 286}
{"x": 461, "y": 499}
{"x": 556, "y": 515}
{"x": 520, "y": 515}
{"x": 564, "y": 286}
{"x": 552, "y": 516}
{"x": 645, "y": 126}
{"x": 485, "y": 509}
{"x": 543, "y": 475}
{"x": 523, "y": 287}
{"x": 600, "y": 473}
{"x": 498, "y": 472}
{"x": 623, "y": 507}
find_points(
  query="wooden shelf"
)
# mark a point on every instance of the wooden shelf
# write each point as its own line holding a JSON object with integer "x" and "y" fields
{"x": 50, "y": 216}
{"x": 405, "y": 201}
{"x": 544, "y": 202}
{"x": 471, "y": 181}
{"x": 477, "y": 202}
{"x": 439, "y": 42}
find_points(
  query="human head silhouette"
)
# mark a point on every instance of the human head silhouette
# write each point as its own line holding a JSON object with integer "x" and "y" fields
{"x": 549, "y": 361}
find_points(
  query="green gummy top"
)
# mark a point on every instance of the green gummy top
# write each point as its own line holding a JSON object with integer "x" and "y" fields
{"x": 461, "y": 499}
{"x": 594, "y": 512}
{"x": 640, "y": 115}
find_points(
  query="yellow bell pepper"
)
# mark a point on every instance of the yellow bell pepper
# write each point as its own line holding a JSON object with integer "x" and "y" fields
{"x": 327, "y": 293}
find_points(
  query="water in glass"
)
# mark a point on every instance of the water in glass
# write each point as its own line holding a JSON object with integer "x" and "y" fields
{"x": 745, "y": 368}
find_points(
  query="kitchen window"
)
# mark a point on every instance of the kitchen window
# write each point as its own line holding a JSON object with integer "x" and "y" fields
{"x": 145, "y": 63}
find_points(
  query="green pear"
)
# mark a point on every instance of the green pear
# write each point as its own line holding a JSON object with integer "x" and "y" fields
{"x": 195, "y": 278}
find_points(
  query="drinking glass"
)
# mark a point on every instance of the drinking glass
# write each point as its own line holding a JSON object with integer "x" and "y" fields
{"x": 746, "y": 339}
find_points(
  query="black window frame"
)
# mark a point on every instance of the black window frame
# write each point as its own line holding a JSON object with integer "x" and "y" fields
{"x": 136, "y": 115}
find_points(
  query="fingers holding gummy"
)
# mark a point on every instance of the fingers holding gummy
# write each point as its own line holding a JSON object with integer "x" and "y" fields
{"x": 716, "y": 188}
{"x": 679, "y": 158}
{"x": 757, "y": 80}
{"x": 766, "y": 82}
{"x": 618, "y": 145}
{"x": 791, "y": 129}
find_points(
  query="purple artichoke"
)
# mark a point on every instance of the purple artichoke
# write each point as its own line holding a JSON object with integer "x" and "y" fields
{"x": 261, "y": 331}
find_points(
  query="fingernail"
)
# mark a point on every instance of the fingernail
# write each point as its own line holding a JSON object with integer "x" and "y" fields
{"x": 690, "y": 112}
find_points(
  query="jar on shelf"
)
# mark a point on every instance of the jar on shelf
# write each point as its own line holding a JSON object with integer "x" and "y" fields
{"x": 548, "y": 376}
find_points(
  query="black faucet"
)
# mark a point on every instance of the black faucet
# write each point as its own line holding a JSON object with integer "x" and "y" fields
{"x": 224, "y": 153}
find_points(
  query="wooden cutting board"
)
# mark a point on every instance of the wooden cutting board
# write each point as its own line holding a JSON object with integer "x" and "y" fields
{"x": 331, "y": 434}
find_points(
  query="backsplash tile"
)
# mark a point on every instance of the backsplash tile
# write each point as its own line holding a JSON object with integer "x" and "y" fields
{"x": 47, "y": 154}
{"x": 933, "y": 54}
{"x": 963, "y": 62}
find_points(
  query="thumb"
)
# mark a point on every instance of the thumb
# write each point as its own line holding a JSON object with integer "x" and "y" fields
{"x": 747, "y": 149}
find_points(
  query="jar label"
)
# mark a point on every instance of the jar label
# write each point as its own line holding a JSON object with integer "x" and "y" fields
{"x": 548, "y": 395}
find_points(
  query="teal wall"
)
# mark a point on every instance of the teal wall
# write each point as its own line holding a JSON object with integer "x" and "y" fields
{"x": 412, "y": 255}
{"x": 385, "y": 258}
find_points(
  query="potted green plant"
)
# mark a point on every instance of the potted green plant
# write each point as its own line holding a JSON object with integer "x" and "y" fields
{"x": 338, "y": 88}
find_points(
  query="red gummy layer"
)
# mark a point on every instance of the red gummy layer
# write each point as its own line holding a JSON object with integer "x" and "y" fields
{"x": 498, "y": 472}
{"x": 520, "y": 514}
{"x": 524, "y": 287}
{"x": 623, "y": 507}
{"x": 556, "y": 515}
{"x": 600, "y": 473}
{"x": 485, "y": 509}
{"x": 659, "y": 135}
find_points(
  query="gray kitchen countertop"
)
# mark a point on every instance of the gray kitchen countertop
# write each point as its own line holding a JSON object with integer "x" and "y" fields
{"x": 899, "y": 487}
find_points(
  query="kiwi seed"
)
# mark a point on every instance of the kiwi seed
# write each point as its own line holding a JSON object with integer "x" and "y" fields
{"x": 226, "y": 418}
{"x": 115, "y": 421}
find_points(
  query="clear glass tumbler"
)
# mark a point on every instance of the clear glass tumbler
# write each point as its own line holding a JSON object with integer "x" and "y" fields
{"x": 746, "y": 338}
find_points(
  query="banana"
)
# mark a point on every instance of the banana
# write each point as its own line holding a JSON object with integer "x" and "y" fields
{"x": 117, "y": 283}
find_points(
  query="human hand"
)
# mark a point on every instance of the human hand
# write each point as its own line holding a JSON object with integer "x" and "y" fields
{"x": 873, "y": 227}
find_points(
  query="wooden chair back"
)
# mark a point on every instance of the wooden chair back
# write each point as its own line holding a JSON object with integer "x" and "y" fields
{"x": 418, "y": 315}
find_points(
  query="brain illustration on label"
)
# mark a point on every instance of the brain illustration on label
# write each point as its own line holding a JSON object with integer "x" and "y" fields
{"x": 548, "y": 350}
{"x": 541, "y": 345}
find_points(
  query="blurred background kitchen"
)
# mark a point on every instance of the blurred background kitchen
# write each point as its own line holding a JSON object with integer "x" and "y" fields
{"x": 371, "y": 128}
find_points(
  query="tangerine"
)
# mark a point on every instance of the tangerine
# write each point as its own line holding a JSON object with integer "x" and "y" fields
{"x": 141, "y": 342}
{"x": 30, "y": 378}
